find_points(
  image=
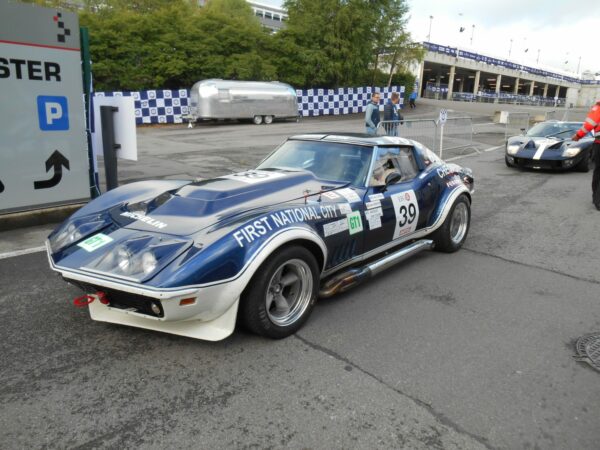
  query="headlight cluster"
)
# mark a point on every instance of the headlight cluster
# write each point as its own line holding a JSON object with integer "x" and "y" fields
{"x": 139, "y": 257}
{"x": 73, "y": 231}
{"x": 512, "y": 149}
{"x": 570, "y": 150}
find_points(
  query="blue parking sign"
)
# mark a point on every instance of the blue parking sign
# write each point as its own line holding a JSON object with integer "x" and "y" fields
{"x": 53, "y": 113}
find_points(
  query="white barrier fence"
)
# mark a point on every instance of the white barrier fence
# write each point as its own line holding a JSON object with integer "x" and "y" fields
{"x": 457, "y": 132}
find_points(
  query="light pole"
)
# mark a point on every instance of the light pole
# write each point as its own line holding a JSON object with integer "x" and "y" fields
{"x": 510, "y": 48}
{"x": 429, "y": 34}
{"x": 537, "y": 61}
{"x": 578, "y": 65}
{"x": 472, "y": 33}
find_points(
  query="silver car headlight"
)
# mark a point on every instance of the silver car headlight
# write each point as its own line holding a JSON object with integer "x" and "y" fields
{"x": 571, "y": 151}
{"x": 139, "y": 257}
{"x": 512, "y": 149}
{"x": 73, "y": 231}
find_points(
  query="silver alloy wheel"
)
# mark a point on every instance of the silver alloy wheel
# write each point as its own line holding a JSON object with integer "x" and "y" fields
{"x": 289, "y": 292}
{"x": 257, "y": 120}
{"x": 268, "y": 119}
{"x": 459, "y": 223}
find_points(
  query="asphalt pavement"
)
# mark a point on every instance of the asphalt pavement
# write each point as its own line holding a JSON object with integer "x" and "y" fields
{"x": 467, "y": 350}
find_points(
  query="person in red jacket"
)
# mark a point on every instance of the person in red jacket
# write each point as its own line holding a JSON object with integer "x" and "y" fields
{"x": 592, "y": 123}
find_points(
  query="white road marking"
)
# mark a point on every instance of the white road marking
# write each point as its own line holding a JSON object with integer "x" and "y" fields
{"x": 25, "y": 251}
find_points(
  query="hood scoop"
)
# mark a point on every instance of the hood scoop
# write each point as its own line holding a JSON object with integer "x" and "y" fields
{"x": 198, "y": 205}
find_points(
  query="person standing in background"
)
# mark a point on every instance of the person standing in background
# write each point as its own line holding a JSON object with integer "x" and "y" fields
{"x": 592, "y": 123}
{"x": 372, "y": 114}
{"x": 411, "y": 99}
{"x": 391, "y": 115}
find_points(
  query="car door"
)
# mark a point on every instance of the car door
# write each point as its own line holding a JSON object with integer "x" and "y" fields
{"x": 398, "y": 210}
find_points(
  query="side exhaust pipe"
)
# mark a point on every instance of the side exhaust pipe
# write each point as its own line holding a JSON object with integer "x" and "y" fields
{"x": 353, "y": 277}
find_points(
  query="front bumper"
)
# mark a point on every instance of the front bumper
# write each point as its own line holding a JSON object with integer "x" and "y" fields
{"x": 544, "y": 163}
{"x": 211, "y": 316}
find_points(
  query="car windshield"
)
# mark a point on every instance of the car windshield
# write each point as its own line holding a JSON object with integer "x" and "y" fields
{"x": 332, "y": 161}
{"x": 558, "y": 129}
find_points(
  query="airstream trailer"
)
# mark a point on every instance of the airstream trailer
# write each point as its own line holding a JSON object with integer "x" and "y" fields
{"x": 255, "y": 100}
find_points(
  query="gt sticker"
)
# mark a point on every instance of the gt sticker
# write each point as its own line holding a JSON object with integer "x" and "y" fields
{"x": 406, "y": 209}
{"x": 253, "y": 176}
{"x": 355, "y": 222}
{"x": 95, "y": 242}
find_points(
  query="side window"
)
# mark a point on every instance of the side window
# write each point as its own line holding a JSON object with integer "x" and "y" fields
{"x": 394, "y": 159}
{"x": 408, "y": 164}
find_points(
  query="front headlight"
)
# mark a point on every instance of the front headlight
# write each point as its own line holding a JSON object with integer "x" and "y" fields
{"x": 140, "y": 257}
{"x": 512, "y": 149}
{"x": 149, "y": 262}
{"x": 73, "y": 231}
{"x": 570, "y": 152}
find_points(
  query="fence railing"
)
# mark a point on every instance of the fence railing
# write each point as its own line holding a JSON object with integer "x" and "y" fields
{"x": 457, "y": 132}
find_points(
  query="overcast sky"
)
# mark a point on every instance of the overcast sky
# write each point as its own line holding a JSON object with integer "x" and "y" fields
{"x": 562, "y": 30}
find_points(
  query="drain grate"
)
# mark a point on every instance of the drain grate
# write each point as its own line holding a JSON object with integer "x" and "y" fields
{"x": 588, "y": 350}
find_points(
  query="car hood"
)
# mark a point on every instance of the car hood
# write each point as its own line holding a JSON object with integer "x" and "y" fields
{"x": 196, "y": 206}
{"x": 537, "y": 142}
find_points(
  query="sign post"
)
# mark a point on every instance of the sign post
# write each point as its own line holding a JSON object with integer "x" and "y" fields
{"x": 442, "y": 121}
{"x": 43, "y": 147}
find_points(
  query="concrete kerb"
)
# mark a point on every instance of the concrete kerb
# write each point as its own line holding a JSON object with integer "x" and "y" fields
{"x": 43, "y": 216}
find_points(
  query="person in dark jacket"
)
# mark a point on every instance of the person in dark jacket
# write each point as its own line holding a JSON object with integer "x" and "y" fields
{"x": 372, "y": 114}
{"x": 391, "y": 115}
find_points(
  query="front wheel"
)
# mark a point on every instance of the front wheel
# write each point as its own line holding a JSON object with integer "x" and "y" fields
{"x": 452, "y": 234}
{"x": 282, "y": 293}
{"x": 586, "y": 164}
{"x": 257, "y": 120}
{"x": 268, "y": 119}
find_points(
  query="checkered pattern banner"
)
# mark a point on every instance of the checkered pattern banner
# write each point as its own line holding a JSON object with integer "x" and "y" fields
{"x": 167, "y": 106}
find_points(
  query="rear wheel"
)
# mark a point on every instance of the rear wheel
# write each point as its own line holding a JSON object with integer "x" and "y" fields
{"x": 453, "y": 232}
{"x": 257, "y": 120}
{"x": 587, "y": 162}
{"x": 282, "y": 294}
{"x": 268, "y": 119}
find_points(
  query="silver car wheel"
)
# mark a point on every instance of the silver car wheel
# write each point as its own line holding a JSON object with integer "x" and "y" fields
{"x": 268, "y": 119}
{"x": 459, "y": 223}
{"x": 257, "y": 120}
{"x": 289, "y": 292}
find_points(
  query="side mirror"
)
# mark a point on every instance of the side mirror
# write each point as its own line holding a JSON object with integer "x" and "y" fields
{"x": 523, "y": 130}
{"x": 392, "y": 178}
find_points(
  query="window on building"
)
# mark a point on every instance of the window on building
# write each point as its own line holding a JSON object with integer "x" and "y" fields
{"x": 268, "y": 15}
{"x": 259, "y": 13}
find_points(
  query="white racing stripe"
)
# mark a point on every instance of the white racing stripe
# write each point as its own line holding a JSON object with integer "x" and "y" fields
{"x": 543, "y": 145}
{"x": 25, "y": 251}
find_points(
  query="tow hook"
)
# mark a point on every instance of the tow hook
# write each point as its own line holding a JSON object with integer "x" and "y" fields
{"x": 84, "y": 300}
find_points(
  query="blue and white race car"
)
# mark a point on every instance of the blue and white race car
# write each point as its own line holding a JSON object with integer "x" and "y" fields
{"x": 319, "y": 215}
{"x": 548, "y": 145}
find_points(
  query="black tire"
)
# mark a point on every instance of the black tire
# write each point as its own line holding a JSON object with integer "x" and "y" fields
{"x": 267, "y": 120}
{"x": 507, "y": 163}
{"x": 587, "y": 162}
{"x": 257, "y": 120}
{"x": 448, "y": 238}
{"x": 262, "y": 310}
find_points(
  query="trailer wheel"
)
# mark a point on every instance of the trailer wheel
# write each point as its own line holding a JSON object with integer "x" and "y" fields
{"x": 268, "y": 119}
{"x": 257, "y": 120}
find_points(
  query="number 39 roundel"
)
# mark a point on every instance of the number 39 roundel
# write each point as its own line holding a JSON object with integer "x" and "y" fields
{"x": 406, "y": 209}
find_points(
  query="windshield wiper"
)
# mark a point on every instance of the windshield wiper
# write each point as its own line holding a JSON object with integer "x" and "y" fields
{"x": 560, "y": 132}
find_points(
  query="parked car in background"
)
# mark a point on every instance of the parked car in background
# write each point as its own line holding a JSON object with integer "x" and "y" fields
{"x": 548, "y": 145}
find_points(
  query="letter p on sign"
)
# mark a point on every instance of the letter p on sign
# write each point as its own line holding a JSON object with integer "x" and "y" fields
{"x": 53, "y": 113}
